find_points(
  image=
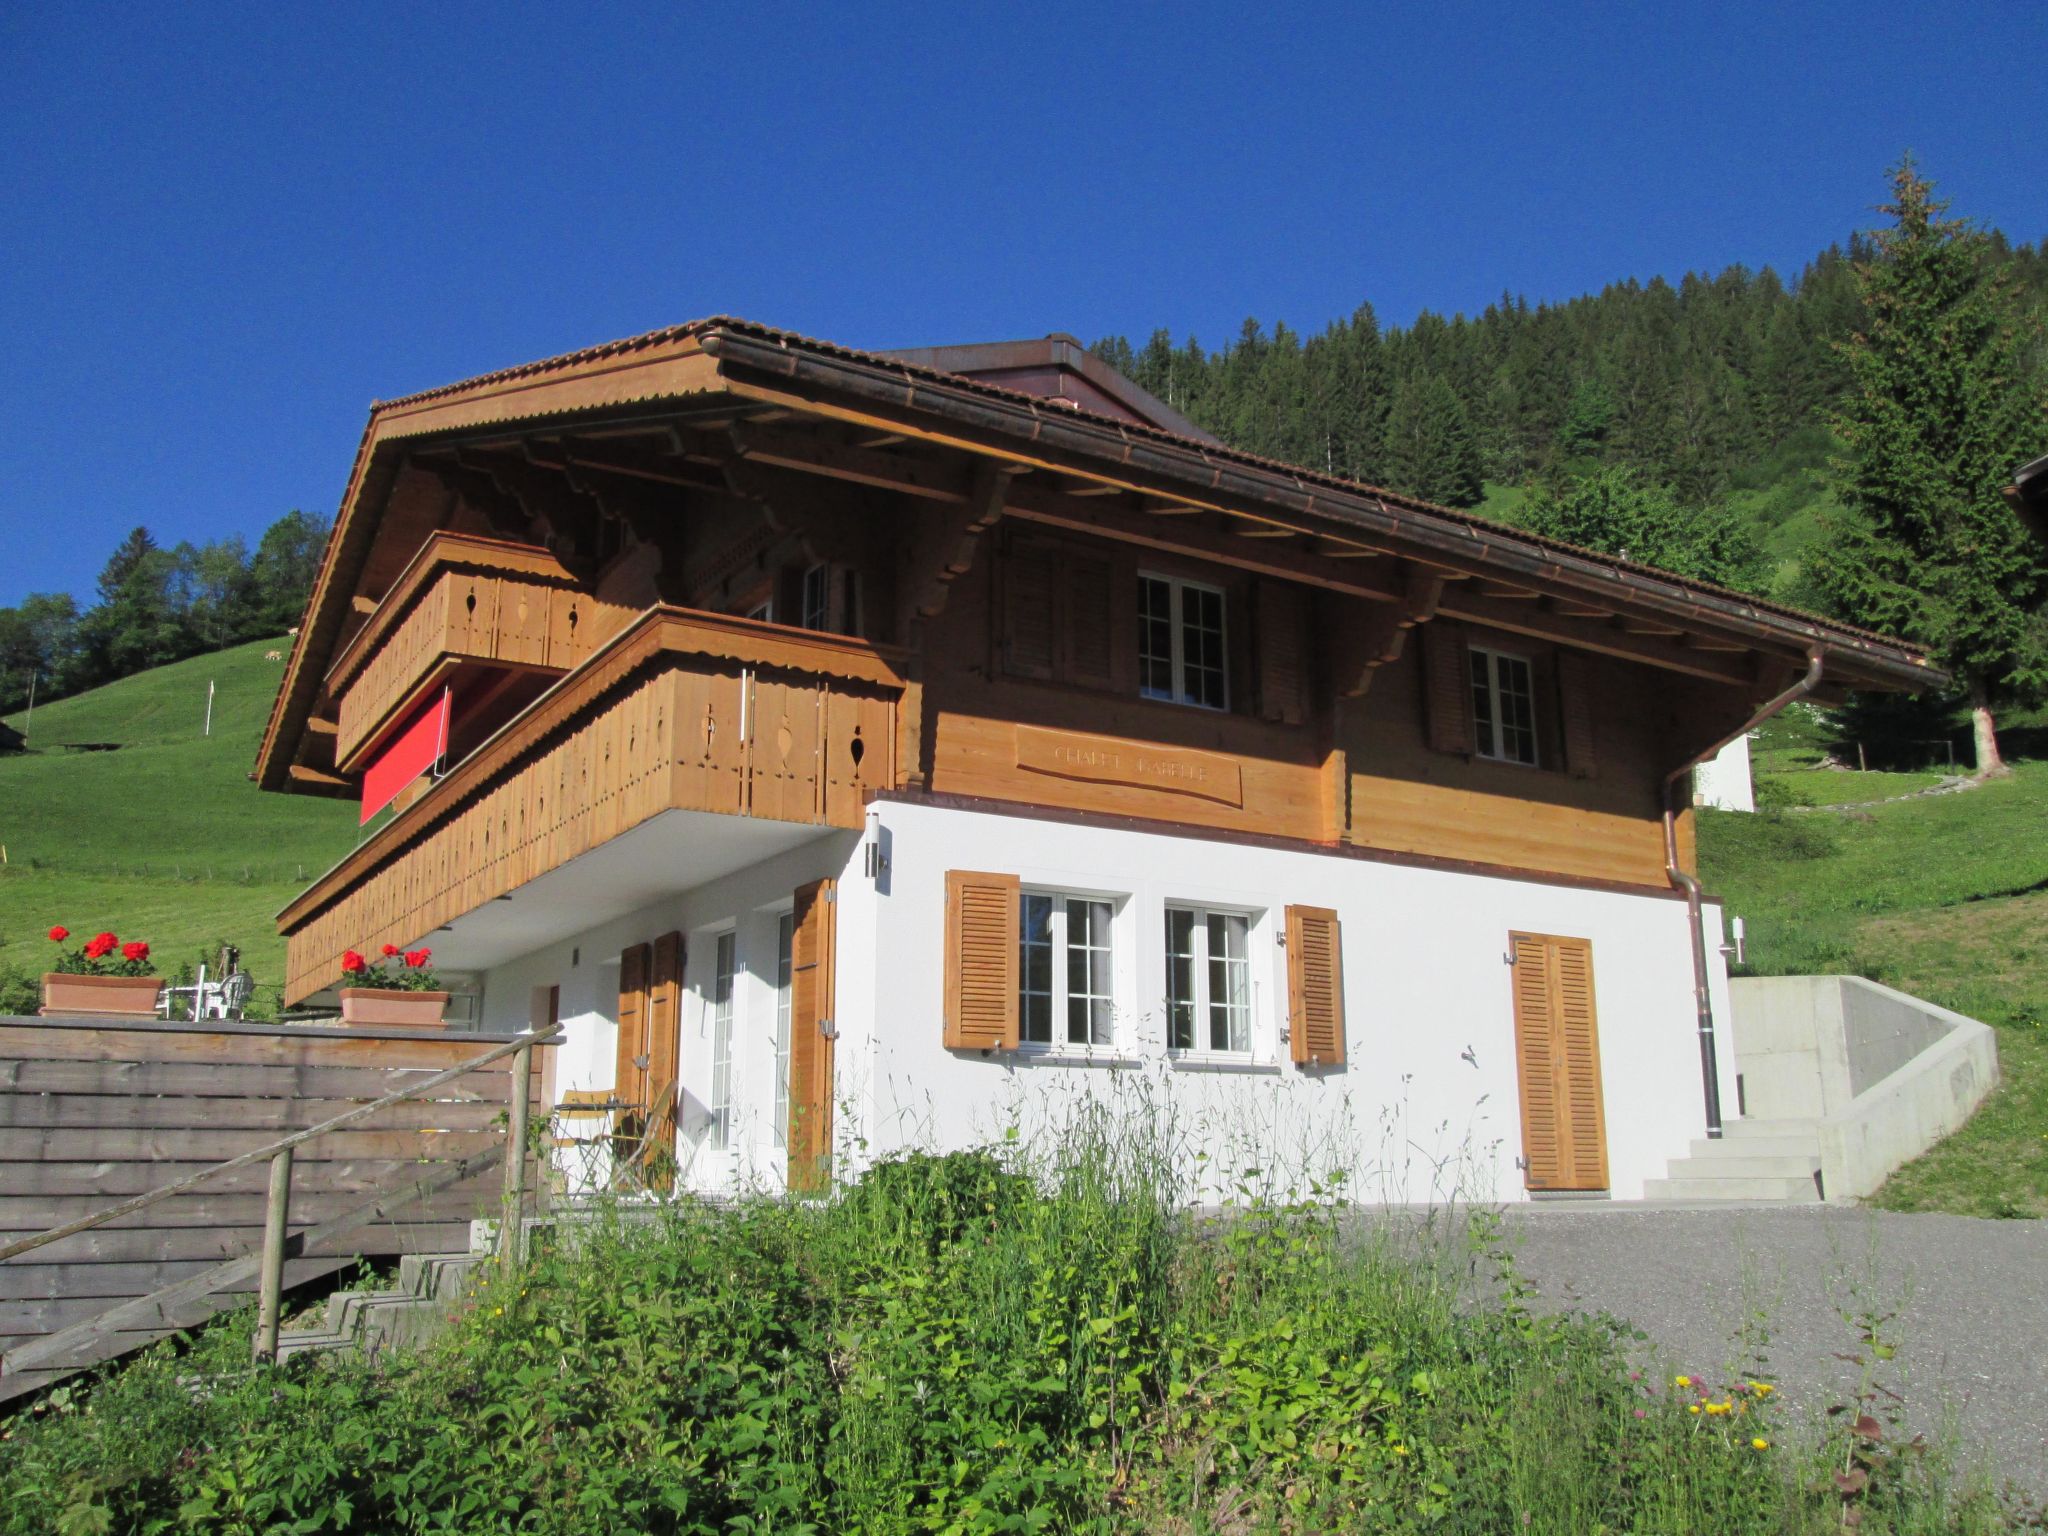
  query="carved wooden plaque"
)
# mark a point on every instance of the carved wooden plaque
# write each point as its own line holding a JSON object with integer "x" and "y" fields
{"x": 1136, "y": 765}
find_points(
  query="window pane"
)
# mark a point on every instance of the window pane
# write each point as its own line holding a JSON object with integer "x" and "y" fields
{"x": 816, "y": 589}
{"x": 1088, "y": 971}
{"x": 1202, "y": 646}
{"x": 1155, "y": 638}
{"x": 1180, "y": 979}
{"x": 785, "y": 934}
{"x": 1230, "y": 1018}
{"x": 1034, "y": 1017}
{"x": 1517, "y": 709}
{"x": 718, "y": 1134}
{"x": 1482, "y": 705}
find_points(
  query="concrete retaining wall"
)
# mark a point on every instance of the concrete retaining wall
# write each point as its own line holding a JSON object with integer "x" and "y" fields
{"x": 1883, "y": 1075}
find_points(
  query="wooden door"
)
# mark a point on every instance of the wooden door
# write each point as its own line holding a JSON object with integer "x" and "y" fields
{"x": 1557, "y": 1055}
{"x": 812, "y": 958}
{"x": 664, "y": 1030}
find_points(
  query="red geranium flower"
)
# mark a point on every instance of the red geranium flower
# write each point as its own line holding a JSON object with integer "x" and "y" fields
{"x": 59, "y": 934}
{"x": 390, "y": 950}
{"x": 100, "y": 944}
{"x": 135, "y": 949}
{"x": 416, "y": 958}
{"x": 353, "y": 962}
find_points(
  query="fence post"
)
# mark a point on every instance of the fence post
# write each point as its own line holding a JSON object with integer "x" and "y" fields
{"x": 511, "y": 1228}
{"x": 271, "y": 1280}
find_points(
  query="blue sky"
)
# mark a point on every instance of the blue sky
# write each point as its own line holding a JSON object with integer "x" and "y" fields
{"x": 227, "y": 231}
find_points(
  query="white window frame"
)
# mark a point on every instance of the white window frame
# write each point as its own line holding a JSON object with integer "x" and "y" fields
{"x": 720, "y": 1004}
{"x": 785, "y": 971}
{"x": 1061, "y": 996}
{"x": 815, "y": 609}
{"x": 1496, "y": 696}
{"x": 1178, "y": 587}
{"x": 1202, "y": 1047}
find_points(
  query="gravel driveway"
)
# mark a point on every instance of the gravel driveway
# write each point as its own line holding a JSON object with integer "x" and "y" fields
{"x": 1969, "y": 1300}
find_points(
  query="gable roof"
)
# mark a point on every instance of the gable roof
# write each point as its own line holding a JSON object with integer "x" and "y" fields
{"x": 982, "y": 411}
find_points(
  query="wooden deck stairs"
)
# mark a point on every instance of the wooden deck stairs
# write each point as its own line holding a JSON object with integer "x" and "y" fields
{"x": 154, "y": 1175}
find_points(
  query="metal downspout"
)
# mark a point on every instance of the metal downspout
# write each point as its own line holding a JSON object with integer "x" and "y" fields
{"x": 1703, "y": 1006}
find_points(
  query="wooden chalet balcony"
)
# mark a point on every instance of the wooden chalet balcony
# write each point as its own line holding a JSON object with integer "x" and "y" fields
{"x": 680, "y": 711}
{"x": 463, "y": 605}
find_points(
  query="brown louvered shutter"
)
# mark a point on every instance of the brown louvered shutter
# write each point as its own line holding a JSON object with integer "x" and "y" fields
{"x": 1446, "y": 688}
{"x": 629, "y": 1078}
{"x": 664, "y": 1036}
{"x": 1575, "y": 706}
{"x": 1088, "y": 628}
{"x": 813, "y": 981}
{"x": 1281, "y": 619}
{"x": 1557, "y": 1057}
{"x": 1315, "y": 986}
{"x": 1030, "y": 629}
{"x": 981, "y": 961}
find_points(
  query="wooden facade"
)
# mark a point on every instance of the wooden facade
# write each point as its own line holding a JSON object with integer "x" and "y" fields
{"x": 491, "y": 606}
{"x": 680, "y": 712}
{"x": 948, "y": 585}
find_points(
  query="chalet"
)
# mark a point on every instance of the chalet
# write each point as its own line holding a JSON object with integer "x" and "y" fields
{"x": 856, "y": 751}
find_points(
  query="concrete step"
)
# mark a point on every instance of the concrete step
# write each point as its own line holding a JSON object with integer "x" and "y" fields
{"x": 1740, "y": 1164}
{"x": 1744, "y": 1130}
{"x": 1772, "y": 1190}
{"x": 1756, "y": 1146}
{"x": 429, "y": 1290}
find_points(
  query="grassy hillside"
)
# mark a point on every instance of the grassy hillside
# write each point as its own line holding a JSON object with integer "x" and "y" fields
{"x": 1944, "y": 896}
{"x": 164, "y": 839}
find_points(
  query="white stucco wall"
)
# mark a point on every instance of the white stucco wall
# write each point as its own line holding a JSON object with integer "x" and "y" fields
{"x": 1723, "y": 780}
{"x": 1426, "y": 1107}
{"x": 1427, "y": 1104}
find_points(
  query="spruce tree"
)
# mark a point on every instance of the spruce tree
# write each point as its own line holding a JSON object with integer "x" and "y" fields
{"x": 1430, "y": 451}
{"x": 1941, "y": 405}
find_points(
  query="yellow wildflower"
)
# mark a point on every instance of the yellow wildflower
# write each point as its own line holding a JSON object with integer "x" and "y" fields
{"x": 1400, "y": 1450}
{"x": 1760, "y": 1443}
{"x": 497, "y": 1311}
{"x": 1692, "y": 1407}
{"x": 1717, "y": 1408}
{"x": 1761, "y": 1388}
{"x": 1681, "y": 1381}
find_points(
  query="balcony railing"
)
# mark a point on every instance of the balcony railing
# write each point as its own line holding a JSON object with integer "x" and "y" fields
{"x": 679, "y": 711}
{"x": 462, "y": 601}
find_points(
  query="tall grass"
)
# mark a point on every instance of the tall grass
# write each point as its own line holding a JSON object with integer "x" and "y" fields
{"x": 983, "y": 1342}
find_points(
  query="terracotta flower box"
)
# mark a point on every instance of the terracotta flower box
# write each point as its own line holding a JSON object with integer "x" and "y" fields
{"x": 393, "y": 1007}
{"x": 66, "y": 995}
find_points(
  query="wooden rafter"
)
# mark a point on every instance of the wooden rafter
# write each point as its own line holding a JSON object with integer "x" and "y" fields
{"x": 808, "y": 452}
{"x": 1127, "y": 523}
{"x": 1587, "y": 635}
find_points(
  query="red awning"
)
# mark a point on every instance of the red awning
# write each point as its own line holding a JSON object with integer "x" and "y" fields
{"x": 412, "y": 752}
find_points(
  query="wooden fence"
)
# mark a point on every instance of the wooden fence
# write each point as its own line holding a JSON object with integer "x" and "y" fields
{"x": 96, "y": 1110}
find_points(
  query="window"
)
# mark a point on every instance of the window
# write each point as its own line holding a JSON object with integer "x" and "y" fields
{"x": 1503, "y": 707}
{"x": 764, "y": 611}
{"x": 719, "y": 1136}
{"x": 1180, "y": 642}
{"x": 1064, "y": 970}
{"x": 785, "y": 939}
{"x": 1208, "y": 981}
{"x": 817, "y": 598}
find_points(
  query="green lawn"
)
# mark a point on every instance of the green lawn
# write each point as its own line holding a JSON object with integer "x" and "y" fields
{"x": 165, "y": 839}
{"x": 1945, "y": 897}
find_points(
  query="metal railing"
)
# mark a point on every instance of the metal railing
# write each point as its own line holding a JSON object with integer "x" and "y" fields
{"x": 276, "y": 1221}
